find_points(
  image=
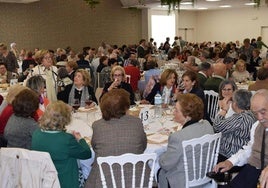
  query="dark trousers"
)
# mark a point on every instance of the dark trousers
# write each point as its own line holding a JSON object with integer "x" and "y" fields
{"x": 247, "y": 178}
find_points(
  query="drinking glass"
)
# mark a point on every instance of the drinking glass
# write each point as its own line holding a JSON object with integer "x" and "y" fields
{"x": 89, "y": 100}
{"x": 75, "y": 104}
{"x": 137, "y": 99}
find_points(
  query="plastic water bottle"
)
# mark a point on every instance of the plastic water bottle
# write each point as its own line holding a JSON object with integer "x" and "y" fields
{"x": 158, "y": 107}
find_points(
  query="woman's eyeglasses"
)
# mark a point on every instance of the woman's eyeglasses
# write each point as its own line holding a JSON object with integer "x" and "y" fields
{"x": 117, "y": 75}
{"x": 227, "y": 89}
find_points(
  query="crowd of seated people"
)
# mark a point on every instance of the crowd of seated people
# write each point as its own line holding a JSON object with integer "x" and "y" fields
{"x": 206, "y": 66}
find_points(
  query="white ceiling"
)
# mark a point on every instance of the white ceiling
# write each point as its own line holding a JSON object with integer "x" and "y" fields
{"x": 199, "y": 4}
{"x": 18, "y": 1}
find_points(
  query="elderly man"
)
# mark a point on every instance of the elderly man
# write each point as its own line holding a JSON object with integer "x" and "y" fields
{"x": 254, "y": 155}
{"x": 219, "y": 73}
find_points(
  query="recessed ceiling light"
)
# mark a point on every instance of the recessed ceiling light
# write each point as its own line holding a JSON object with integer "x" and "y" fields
{"x": 162, "y": 6}
{"x": 225, "y": 6}
{"x": 213, "y": 0}
{"x": 202, "y": 8}
{"x": 250, "y": 4}
{"x": 186, "y": 3}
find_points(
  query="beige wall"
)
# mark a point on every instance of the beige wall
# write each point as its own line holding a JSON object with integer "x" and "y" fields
{"x": 230, "y": 25}
{"x": 61, "y": 23}
{"x": 221, "y": 25}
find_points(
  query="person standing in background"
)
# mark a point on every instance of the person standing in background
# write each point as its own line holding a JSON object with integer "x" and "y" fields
{"x": 9, "y": 58}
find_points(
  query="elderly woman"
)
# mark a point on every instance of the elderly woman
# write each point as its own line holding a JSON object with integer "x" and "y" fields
{"x": 20, "y": 126}
{"x": 240, "y": 74}
{"x": 167, "y": 86}
{"x": 226, "y": 90}
{"x": 235, "y": 129}
{"x": 64, "y": 148}
{"x": 115, "y": 134}
{"x": 118, "y": 77}
{"x": 71, "y": 67}
{"x": 8, "y": 109}
{"x": 80, "y": 90}
{"x": 46, "y": 69}
{"x": 37, "y": 84}
{"x": 188, "y": 112}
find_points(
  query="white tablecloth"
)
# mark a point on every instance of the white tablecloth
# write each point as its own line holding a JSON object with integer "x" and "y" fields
{"x": 82, "y": 121}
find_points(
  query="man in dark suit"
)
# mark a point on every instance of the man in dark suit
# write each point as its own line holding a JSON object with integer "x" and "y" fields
{"x": 204, "y": 73}
{"x": 219, "y": 73}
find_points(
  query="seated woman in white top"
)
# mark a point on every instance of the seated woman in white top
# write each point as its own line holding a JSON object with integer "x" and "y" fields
{"x": 240, "y": 74}
{"x": 226, "y": 90}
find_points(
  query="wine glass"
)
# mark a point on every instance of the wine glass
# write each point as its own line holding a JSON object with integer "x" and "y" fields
{"x": 137, "y": 99}
{"x": 162, "y": 120}
{"x": 75, "y": 104}
{"x": 89, "y": 100}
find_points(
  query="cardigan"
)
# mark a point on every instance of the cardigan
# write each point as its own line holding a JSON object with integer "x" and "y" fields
{"x": 64, "y": 151}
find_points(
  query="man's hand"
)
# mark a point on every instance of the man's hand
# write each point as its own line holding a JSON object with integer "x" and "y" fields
{"x": 223, "y": 166}
{"x": 264, "y": 178}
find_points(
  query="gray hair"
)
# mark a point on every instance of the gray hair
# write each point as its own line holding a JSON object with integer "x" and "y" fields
{"x": 36, "y": 83}
{"x": 242, "y": 99}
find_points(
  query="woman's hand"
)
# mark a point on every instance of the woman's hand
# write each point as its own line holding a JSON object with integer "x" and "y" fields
{"x": 225, "y": 104}
{"x": 144, "y": 102}
{"x": 77, "y": 135}
{"x": 115, "y": 84}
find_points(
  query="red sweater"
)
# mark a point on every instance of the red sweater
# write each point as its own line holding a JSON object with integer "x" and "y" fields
{"x": 5, "y": 115}
{"x": 135, "y": 76}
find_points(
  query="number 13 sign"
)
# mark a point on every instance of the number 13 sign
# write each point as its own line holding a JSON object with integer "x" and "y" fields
{"x": 144, "y": 115}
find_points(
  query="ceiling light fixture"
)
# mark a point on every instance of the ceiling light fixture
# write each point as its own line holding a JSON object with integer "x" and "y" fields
{"x": 225, "y": 6}
{"x": 251, "y": 4}
{"x": 213, "y": 0}
{"x": 186, "y": 3}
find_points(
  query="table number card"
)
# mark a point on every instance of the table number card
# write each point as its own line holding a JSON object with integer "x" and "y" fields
{"x": 144, "y": 116}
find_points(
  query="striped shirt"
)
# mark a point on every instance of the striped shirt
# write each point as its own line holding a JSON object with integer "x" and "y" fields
{"x": 235, "y": 131}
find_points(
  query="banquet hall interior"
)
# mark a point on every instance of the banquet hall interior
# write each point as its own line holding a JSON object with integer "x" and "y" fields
{"x": 179, "y": 94}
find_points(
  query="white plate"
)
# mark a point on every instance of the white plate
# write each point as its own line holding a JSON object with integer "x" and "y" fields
{"x": 157, "y": 138}
{"x": 83, "y": 109}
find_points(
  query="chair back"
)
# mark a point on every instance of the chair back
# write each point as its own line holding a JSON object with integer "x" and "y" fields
{"x": 122, "y": 160}
{"x": 128, "y": 77}
{"x": 200, "y": 155}
{"x": 27, "y": 169}
{"x": 212, "y": 99}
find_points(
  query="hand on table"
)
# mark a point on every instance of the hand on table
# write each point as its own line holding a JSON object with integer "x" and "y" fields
{"x": 144, "y": 102}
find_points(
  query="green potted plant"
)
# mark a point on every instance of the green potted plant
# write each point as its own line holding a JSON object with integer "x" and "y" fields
{"x": 173, "y": 4}
{"x": 92, "y": 3}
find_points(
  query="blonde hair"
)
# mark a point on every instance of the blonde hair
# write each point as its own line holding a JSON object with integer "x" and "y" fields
{"x": 118, "y": 68}
{"x": 240, "y": 62}
{"x": 85, "y": 75}
{"x": 13, "y": 92}
{"x": 39, "y": 56}
{"x": 56, "y": 117}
